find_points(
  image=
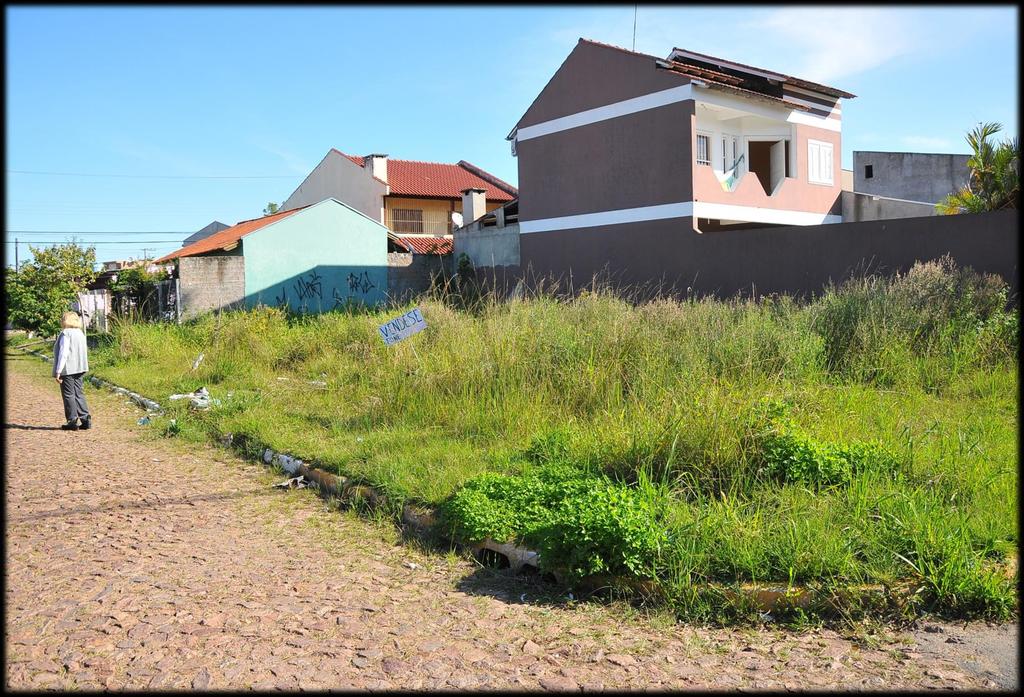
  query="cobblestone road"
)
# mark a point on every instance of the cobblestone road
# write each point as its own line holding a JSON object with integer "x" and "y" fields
{"x": 133, "y": 562}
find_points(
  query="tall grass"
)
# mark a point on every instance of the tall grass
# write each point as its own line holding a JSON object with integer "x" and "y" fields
{"x": 662, "y": 398}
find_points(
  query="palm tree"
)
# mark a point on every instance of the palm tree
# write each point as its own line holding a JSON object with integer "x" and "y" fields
{"x": 994, "y": 183}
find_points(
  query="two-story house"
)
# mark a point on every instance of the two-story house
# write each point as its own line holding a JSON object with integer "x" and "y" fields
{"x": 686, "y": 142}
{"x": 411, "y": 198}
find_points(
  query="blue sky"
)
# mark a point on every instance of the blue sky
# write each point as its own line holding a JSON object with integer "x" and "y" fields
{"x": 179, "y": 93}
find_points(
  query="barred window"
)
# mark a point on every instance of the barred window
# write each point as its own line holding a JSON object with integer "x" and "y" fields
{"x": 406, "y": 220}
{"x": 703, "y": 149}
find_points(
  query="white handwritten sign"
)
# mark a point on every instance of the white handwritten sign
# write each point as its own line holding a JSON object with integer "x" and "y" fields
{"x": 408, "y": 324}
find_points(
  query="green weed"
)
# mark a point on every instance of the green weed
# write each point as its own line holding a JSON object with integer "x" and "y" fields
{"x": 635, "y": 438}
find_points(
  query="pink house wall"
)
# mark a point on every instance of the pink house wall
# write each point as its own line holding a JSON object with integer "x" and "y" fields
{"x": 794, "y": 194}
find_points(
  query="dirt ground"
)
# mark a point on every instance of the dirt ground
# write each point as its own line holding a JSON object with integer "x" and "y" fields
{"x": 138, "y": 562}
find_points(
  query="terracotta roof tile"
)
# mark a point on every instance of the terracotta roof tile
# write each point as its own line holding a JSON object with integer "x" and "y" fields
{"x": 227, "y": 237}
{"x": 704, "y": 76}
{"x": 442, "y": 180}
{"x": 428, "y": 244}
{"x": 799, "y": 82}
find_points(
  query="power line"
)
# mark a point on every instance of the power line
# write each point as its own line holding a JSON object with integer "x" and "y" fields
{"x": 153, "y": 176}
{"x": 136, "y": 242}
{"x": 99, "y": 232}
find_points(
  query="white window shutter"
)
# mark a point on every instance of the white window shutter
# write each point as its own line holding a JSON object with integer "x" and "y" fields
{"x": 819, "y": 162}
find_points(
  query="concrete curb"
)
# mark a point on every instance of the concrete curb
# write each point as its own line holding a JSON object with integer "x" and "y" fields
{"x": 423, "y": 520}
{"x": 147, "y": 404}
{"x": 417, "y": 516}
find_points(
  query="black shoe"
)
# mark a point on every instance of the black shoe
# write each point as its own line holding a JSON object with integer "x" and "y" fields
{"x": 72, "y": 426}
{"x": 86, "y": 424}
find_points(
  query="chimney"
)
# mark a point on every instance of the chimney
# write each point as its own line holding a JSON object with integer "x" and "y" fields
{"x": 474, "y": 205}
{"x": 377, "y": 166}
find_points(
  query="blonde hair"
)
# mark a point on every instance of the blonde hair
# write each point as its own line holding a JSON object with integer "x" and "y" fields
{"x": 71, "y": 320}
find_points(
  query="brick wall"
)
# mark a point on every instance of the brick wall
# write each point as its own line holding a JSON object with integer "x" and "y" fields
{"x": 211, "y": 283}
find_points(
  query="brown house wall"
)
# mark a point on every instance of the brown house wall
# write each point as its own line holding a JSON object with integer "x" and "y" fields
{"x": 795, "y": 259}
{"x": 640, "y": 159}
{"x": 593, "y": 76}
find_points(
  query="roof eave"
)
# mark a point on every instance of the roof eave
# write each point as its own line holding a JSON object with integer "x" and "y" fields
{"x": 770, "y": 74}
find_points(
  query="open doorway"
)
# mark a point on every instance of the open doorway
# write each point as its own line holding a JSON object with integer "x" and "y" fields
{"x": 769, "y": 160}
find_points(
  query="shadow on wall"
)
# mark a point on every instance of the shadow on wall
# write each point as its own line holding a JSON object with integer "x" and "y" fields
{"x": 325, "y": 288}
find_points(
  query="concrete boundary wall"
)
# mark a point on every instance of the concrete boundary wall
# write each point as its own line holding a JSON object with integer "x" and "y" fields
{"x": 665, "y": 256}
{"x": 858, "y": 207}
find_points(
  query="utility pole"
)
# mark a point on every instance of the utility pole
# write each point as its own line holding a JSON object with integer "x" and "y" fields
{"x": 16, "y": 265}
{"x": 144, "y": 250}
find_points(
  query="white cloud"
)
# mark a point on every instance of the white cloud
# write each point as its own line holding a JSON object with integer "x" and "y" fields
{"x": 156, "y": 157}
{"x": 832, "y": 42}
{"x": 815, "y": 43}
{"x": 927, "y": 142}
{"x": 292, "y": 161}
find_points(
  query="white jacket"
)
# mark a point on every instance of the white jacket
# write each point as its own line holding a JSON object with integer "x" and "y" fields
{"x": 70, "y": 354}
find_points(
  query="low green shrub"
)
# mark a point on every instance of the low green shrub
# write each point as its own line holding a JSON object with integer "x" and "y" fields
{"x": 786, "y": 454}
{"x": 580, "y": 523}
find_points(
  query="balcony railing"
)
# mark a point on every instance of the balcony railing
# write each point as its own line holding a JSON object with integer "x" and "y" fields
{"x": 420, "y": 222}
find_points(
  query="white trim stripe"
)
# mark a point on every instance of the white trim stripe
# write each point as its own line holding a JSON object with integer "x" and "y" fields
{"x": 816, "y": 121}
{"x": 664, "y": 98}
{"x": 684, "y": 209}
{"x": 623, "y": 215}
{"x": 753, "y": 214}
{"x": 608, "y": 111}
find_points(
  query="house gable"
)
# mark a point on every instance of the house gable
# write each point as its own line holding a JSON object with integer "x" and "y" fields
{"x": 338, "y": 177}
{"x": 595, "y": 75}
{"x": 319, "y": 259}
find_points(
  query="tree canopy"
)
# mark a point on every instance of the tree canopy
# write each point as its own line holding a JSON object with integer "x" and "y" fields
{"x": 994, "y": 182}
{"x": 43, "y": 289}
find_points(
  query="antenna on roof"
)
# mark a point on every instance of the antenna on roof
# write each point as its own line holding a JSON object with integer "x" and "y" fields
{"x": 634, "y": 27}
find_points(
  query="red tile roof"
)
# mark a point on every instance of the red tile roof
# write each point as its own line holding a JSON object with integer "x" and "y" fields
{"x": 441, "y": 180}
{"x": 225, "y": 238}
{"x": 427, "y": 244}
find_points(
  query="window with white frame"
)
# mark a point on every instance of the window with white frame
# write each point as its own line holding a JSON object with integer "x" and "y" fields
{"x": 703, "y": 149}
{"x": 819, "y": 162}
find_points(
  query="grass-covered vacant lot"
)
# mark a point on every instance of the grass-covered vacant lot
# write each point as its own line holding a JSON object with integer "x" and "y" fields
{"x": 868, "y": 436}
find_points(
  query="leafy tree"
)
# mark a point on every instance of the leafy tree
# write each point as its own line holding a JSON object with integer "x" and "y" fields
{"x": 994, "y": 182}
{"x": 43, "y": 289}
{"x": 270, "y": 209}
{"x": 137, "y": 283}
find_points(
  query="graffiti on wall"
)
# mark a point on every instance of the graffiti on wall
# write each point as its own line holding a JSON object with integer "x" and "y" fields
{"x": 309, "y": 287}
{"x": 362, "y": 283}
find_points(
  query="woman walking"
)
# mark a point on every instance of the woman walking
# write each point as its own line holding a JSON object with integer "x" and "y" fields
{"x": 70, "y": 362}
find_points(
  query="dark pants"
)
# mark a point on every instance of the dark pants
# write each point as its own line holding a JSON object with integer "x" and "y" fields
{"x": 74, "y": 398}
